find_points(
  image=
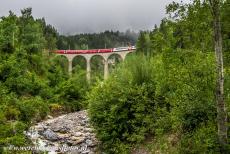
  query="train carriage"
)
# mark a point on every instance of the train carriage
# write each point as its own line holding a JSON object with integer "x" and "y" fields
{"x": 93, "y": 51}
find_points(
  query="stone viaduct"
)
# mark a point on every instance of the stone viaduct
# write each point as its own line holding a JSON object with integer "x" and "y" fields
{"x": 88, "y": 57}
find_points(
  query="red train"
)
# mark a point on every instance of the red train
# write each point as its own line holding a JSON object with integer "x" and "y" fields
{"x": 91, "y": 51}
{"x": 83, "y": 51}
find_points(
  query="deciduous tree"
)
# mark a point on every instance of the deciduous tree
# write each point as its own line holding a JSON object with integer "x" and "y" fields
{"x": 221, "y": 107}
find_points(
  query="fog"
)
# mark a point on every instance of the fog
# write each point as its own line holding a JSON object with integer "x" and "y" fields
{"x": 89, "y": 16}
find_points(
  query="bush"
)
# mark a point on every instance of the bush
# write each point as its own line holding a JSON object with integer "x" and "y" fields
{"x": 187, "y": 82}
{"x": 11, "y": 133}
{"x": 203, "y": 140}
{"x": 55, "y": 108}
{"x": 119, "y": 113}
{"x": 33, "y": 108}
{"x": 71, "y": 93}
{"x": 123, "y": 109}
{"x": 171, "y": 92}
{"x": 136, "y": 69}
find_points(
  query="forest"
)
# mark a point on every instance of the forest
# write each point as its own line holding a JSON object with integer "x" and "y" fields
{"x": 107, "y": 39}
{"x": 162, "y": 98}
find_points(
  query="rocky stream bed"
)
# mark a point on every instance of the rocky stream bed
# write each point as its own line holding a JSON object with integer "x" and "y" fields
{"x": 70, "y": 133}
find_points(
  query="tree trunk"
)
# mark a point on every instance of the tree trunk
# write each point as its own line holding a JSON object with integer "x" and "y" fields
{"x": 221, "y": 108}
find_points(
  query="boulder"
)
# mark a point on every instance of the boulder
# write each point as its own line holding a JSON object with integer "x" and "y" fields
{"x": 50, "y": 135}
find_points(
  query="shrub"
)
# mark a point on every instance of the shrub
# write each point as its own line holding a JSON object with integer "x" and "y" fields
{"x": 55, "y": 109}
{"x": 119, "y": 113}
{"x": 171, "y": 92}
{"x": 12, "y": 133}
{"x": 71, "y": 92}
{"x": 33, "y": 108}
{"x": 187, "y": 82}
{"x": 203, "y": 140}
{"x": 123, "y": 109}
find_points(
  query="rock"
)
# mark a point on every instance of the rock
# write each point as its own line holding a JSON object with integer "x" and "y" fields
{"x": 87, "y": 134}
{"x": 84, "y": 122}
{"x": 64, "y": 129}
{"x": 40, "y": 127}
{"x": 77, "y": 140}
{"x": 89, "y": 142}
{"x": 49, "y": 117}
{"x": 79, "y": 128}
{"x": 88, "y": 130}
{"x": 63, "y": 136}
{"x": 72, "y": 129}
{"x": 50, "y": 135}
{"x": 77, "y": 134}
{"x": 84, "y": 152}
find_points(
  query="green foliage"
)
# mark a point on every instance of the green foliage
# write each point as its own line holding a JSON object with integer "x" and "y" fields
{"x": 203, "y": 140}
{"x": 143, "y": 43}
{"x": 12, "y": 133}
{"x": 188, "y": 26}
{"x": 97, "y": 68}
{"x": 33, "y": 109}
{"x": 186, "y": 78}
{"x": 192, "y": 25}
{"x": 72, "y": 92}
{"x": 166, "y": 90}
{"x": 31, "y": 34}
{"x": 9, "y": 31}
{"x": 123, "y": 109}
{"x": 126, "y": 101}
{"x": 188, "y": 85}
{"x": 31, "y": 80}
{"x": 177, "y": 84}
{"x": 136, "y": 69}
{"x": 171, "y": 92}
{"x": 107, "y": 39}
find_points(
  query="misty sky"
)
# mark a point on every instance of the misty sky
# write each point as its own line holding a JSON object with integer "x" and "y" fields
{"x": 87, "y": 16}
